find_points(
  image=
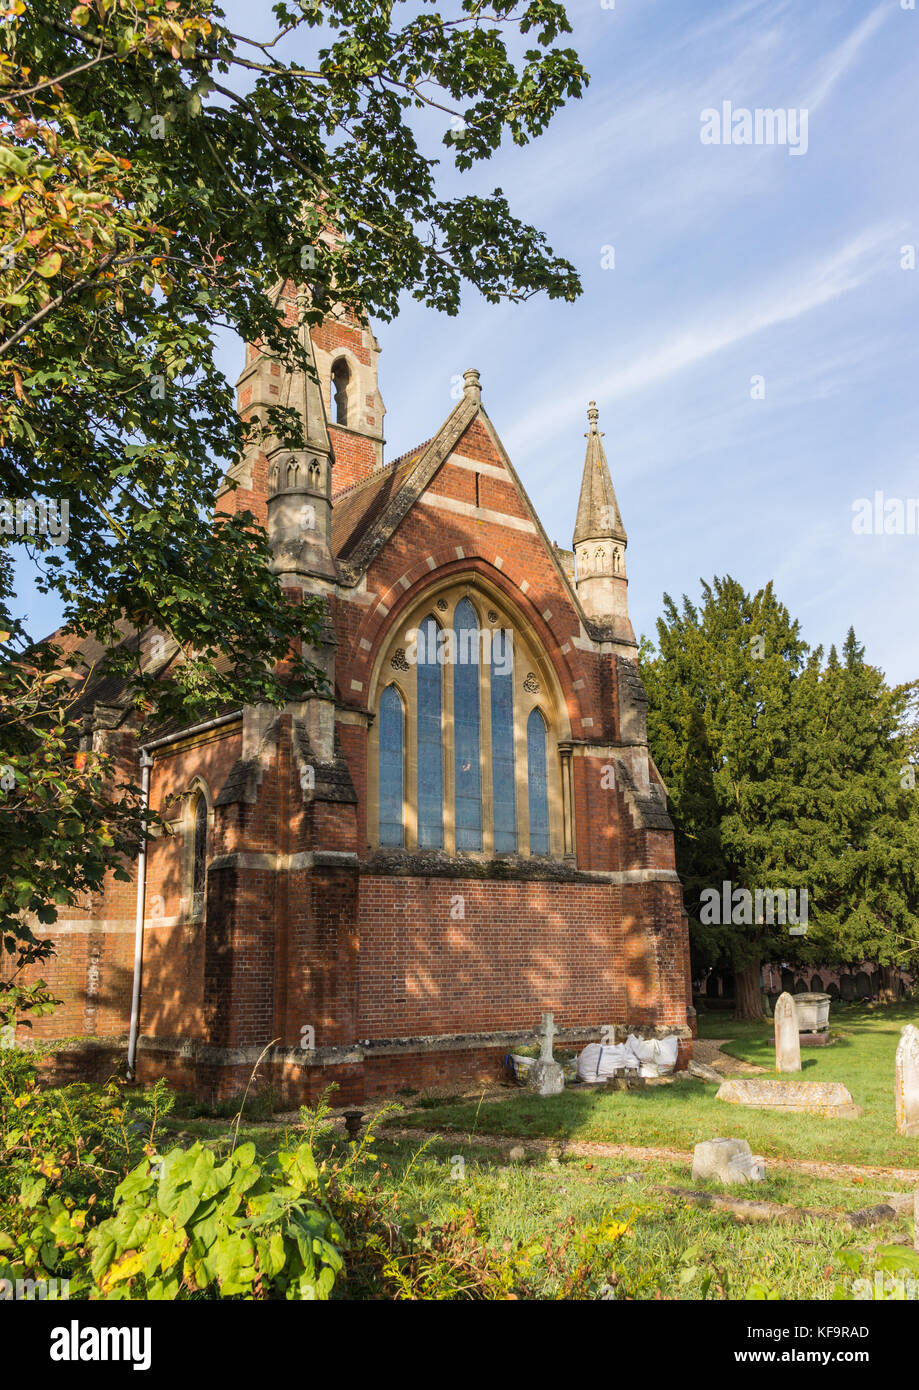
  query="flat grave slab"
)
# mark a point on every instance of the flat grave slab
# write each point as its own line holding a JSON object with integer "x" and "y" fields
{"x": 827, "y": 1098}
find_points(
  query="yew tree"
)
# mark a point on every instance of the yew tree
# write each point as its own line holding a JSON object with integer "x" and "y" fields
{"x": 785, "y": 773}
{"x": 722, "y": 726}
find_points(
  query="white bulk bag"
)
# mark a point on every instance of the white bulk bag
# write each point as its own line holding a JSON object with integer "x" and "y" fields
{"x": 659, "y": 1053}
{"x": 598, "y": 1062}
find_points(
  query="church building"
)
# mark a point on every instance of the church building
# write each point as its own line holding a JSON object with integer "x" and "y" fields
{"x": 386, "y": 885}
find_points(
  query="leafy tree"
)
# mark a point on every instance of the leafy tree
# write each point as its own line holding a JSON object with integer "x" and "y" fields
{"x": 160, "y": 177}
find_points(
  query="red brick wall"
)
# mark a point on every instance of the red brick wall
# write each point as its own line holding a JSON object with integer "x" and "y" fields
{"x": 521, "y": 947}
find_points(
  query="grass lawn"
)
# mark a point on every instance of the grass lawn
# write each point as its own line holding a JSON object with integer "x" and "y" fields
{"x": 679, "y": 1115}
{"x": 549, "y": 1218}
{"x": 555, "y": 1219}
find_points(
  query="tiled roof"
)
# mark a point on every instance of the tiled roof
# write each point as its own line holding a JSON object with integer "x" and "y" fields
{"x": 356, "y": 510}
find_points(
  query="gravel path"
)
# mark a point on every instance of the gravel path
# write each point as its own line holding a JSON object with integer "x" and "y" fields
{"x": 583, "y": 1148}
{"x": 708, "y": 1050}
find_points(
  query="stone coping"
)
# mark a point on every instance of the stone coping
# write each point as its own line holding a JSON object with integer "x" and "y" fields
{"x": 200, "y": 1051}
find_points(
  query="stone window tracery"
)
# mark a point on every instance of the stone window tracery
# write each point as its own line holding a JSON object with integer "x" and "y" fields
{"x": 464, "y": 754}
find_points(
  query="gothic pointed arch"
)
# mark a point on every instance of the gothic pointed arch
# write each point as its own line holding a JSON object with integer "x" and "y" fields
{"x": 471, "y": 670}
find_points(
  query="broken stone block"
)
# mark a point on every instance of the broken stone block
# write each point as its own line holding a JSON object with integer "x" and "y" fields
{"x": 727, "y": 1160}
{"x": 546, "y": 1078}
{"x": 704, "y": 1072}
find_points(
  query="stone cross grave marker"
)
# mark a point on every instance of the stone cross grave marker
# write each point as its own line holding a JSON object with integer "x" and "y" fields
{"x": 787, "y": 1042}
{"x": 908, "y": 1081}
{"x": 547, "y": 1033}
{"x": 546, "y": 1077}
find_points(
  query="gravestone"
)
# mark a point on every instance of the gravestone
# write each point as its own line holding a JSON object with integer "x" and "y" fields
{"x": 832, "y": 989}
{"x": 800, "y": 986}
{"x": 828, "y": 1098}
{"x": 788, "y": 980}
{"x": 546, "y": 1076}
{"x": 787, "y": 1043}
{"x": 728, "y": 1160}
{"x": 908, "y": 1081}
{"x": 816, "y": 985}
{"x": 847, "y": 988}
{"x": 862, "y": 985}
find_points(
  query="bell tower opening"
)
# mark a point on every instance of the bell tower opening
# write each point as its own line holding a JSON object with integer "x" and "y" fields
{"x": 341, "y": 378}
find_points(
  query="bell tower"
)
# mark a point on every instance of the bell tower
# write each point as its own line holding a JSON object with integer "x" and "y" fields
{"x": 346, "y": 355}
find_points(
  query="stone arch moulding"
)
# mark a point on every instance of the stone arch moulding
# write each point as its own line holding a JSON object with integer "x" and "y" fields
{"x": 506, "y": 587}
{"x": 356, "y": 373}
{"x": 493, "y": 585}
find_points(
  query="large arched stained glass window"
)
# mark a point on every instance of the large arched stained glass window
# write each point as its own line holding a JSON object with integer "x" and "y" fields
{"x": 392, "y": 768}
{"x": 458, "y": 762}
{"x": 468, "y": 773}
{"x": 504, "y": 788}
{"x": 430, "y": 740}
{"x": 537, "y": 783}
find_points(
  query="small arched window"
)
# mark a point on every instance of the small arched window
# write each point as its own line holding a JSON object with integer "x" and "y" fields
{"x": 537, "y": 781}
{"x": 392, "y": 768}
{"x": 341, "y": 377}
{"x": 199, "y": 857}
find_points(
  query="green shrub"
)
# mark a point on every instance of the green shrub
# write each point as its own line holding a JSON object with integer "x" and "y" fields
{"x": 186, "y": 1223}
{"x": 85, "y": 1196}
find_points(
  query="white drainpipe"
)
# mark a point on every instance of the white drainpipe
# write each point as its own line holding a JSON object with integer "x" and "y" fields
{"x": 146, "y": 762}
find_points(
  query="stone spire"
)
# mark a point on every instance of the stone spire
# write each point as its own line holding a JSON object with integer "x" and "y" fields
{"x": 299, "y": 480}
{"x": 600, "y": 540}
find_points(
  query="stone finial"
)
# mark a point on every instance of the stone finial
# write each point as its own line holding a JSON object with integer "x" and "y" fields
{"x": 598, "y": 516}
{"x": 471, "y": 384}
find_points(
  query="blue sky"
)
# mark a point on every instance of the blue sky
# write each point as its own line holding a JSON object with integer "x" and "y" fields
{"x": 730, "y": 262}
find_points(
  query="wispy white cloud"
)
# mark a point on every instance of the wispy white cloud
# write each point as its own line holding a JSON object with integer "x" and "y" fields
{"x": 844, "y": 56}
{"x": 716, "y": 328}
